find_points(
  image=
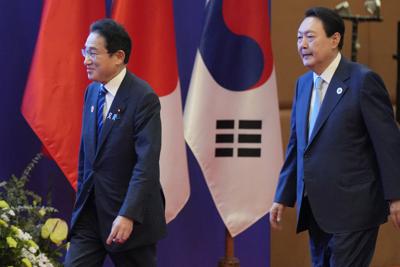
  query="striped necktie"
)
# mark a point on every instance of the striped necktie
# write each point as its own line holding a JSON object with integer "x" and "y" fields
{"x": 100, "y": 109}
{"x": 316, "y": 105}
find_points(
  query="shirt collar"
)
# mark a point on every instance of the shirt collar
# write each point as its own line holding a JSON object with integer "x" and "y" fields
{"x": 113, "y": 85}
{"x": 330, "y": 70}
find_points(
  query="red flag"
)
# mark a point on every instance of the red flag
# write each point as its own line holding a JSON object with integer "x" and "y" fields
{"x": 53, "y": 99}
{"x": 150, "y": 23}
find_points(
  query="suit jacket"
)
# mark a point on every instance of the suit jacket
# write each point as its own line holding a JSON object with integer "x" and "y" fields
{"x": 351, "y": 164}
{"x": 123, "y": 168}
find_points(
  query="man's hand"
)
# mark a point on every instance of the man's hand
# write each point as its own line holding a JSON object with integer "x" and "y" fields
{"x": 395, "y": 213}
{"x": 121, "y": 230}
{"x": 275, "y": 215}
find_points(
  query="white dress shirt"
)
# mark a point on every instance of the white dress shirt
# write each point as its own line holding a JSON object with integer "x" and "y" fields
{"x": 112, "y": 88}
{"x": 326, "y": 77}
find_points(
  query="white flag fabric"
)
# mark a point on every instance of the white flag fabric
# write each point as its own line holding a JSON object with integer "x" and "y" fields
{"x": 173, "y": 161}
{"x": 231, "y": 118}
{"x": 150, "y": 24}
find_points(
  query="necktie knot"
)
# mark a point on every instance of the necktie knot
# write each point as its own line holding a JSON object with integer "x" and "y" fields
{"x": 318, "y": 83}
{"x": 103, "y": 91}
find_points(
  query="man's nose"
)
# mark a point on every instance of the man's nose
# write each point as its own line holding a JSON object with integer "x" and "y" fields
{"x": 303, "y": 42}
{"x": 87, "y": 60}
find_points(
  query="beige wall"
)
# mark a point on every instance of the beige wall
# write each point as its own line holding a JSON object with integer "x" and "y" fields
{"x": 378, "y": 44}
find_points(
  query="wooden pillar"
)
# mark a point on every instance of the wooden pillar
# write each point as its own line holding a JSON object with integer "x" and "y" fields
{"x": 229, "y": 260}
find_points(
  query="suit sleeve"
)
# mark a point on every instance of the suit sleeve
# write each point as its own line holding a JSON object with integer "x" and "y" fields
{"x": 145, "y": 178}
{"x": 384, "y": 133}
{"x": 286, "y": 188}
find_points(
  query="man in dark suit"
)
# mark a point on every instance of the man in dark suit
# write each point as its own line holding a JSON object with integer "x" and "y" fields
{"x": 342, "y": 165}
{"x": 119, "y": 208}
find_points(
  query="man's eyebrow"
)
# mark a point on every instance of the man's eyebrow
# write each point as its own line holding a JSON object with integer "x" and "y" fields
{"x": 91, "y": 48}
{"x": 305, "y": 32}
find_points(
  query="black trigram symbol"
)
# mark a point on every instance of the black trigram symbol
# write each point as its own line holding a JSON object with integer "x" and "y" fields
{"x": 227, "y": 138}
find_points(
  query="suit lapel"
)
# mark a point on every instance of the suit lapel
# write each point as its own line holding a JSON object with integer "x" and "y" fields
{"x": 117, "y": 107}
{"x": 336, "y": 90}
{"x": 303, "y": 106}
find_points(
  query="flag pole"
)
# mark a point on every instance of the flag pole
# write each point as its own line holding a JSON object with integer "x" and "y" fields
{"x": 229, "y": 260}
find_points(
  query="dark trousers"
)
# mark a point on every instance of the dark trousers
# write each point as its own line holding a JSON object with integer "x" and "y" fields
{"x": 353, "y": 249}
{"x": 87, "y": 250}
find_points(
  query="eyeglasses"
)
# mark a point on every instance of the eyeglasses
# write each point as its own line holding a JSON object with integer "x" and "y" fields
{"x": 91, "y": 54}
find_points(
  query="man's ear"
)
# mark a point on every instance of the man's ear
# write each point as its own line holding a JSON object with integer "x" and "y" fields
{"x": 336, "y": 37}
{"x": 120, "y": 55}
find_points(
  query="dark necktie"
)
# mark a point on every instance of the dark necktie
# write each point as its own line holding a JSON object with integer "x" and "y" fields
{"x": 100, "y": 109}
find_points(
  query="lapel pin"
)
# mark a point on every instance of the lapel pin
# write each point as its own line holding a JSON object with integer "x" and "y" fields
{"x": 92, "y": 109}
{"x": 109, "y": 115}
{"x": 339, "y": 90}
{"x": 117, "y": 116}
{"x": 121, "y": 110}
